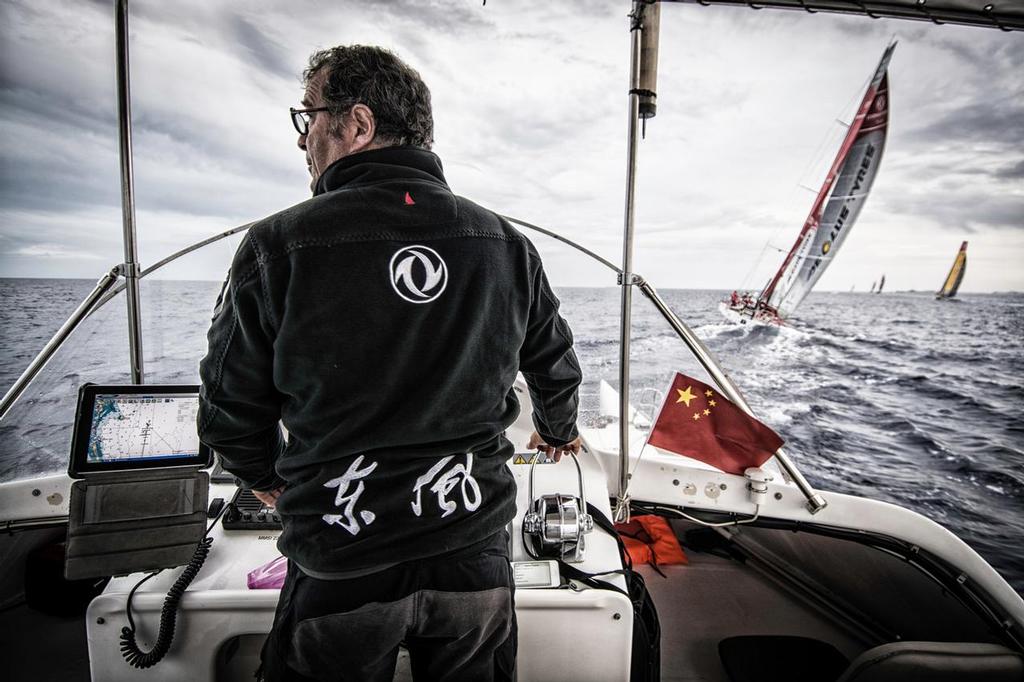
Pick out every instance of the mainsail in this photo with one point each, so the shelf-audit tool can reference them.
(956, 274)
(839, 201)
(880, 285)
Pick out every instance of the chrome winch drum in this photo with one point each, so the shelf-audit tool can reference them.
(558, 522)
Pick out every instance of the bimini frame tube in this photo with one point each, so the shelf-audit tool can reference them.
(643, 69)
(130, 269)
(626, 275)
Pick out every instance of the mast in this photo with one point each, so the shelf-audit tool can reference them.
(813, 220)
(130, 268)
(644, 28)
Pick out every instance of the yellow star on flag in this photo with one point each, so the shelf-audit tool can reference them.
(696, 416)
(712, 403)
(707, 412)
(685, 396)
(708, 393)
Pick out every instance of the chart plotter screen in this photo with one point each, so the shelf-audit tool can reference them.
(130, 427)
(137, 427)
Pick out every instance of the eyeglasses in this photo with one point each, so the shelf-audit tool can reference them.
(301, 118)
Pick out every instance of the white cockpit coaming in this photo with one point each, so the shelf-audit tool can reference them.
(828, 577)
(856, 575)
(772, 577)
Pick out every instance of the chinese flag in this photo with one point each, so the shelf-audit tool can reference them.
(696, 421)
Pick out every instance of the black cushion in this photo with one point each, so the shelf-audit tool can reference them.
(780, 658)
(937, 662)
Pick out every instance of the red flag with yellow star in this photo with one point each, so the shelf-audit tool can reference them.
(696, 421)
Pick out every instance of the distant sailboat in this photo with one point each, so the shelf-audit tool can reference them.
(880, 285)
(873, 285)
(832, 215)
(956, 274)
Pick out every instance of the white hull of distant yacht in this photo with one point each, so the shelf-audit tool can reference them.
(746, 315)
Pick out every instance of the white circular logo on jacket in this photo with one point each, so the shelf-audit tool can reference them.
(418, 273)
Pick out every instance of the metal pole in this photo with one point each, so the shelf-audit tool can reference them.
(131, 266)
(626, 276)
(56, 342)
(815, 502)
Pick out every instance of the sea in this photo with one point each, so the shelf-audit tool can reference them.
(895, 396)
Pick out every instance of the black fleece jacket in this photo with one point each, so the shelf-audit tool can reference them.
(382, 322)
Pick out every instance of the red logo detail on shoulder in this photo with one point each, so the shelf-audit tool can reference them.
(408, 200)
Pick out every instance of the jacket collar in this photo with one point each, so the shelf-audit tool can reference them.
(375, 165)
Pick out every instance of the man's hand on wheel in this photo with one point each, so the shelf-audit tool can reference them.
(268, 497)
(537, 443)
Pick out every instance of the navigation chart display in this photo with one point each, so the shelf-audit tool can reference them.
(142, 427)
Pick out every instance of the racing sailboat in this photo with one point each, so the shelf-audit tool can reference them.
(881, 284)
(956, 274)
(833, 213)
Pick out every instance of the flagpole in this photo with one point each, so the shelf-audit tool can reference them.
(815, 502)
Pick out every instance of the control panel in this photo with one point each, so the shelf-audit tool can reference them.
(246, 512)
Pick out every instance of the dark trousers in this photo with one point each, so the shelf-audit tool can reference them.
(454, 613)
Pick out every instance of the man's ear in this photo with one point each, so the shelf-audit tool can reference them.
(363, 127)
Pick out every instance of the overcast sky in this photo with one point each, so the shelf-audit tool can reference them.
(530, 112)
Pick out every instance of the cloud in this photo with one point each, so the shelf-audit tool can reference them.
(967, 208)
(995, 120)
(266, 52)
(1012, 172)
(46, 250)
(530, 111)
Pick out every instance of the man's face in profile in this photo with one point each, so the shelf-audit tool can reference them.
(321, 148)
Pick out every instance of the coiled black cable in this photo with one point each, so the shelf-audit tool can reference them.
(168, 614)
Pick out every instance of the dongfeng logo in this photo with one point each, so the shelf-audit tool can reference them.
(418, 274)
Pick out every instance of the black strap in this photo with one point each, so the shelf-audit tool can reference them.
(593, 579)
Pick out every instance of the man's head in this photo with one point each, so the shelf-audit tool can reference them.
(374, 100)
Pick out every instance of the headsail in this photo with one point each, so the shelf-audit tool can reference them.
(956, 274)
(839, 201)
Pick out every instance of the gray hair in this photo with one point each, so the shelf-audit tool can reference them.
(394, 92)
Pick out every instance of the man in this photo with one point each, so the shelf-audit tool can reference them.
(383, 322)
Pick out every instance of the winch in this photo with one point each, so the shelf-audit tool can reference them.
(558, 522)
